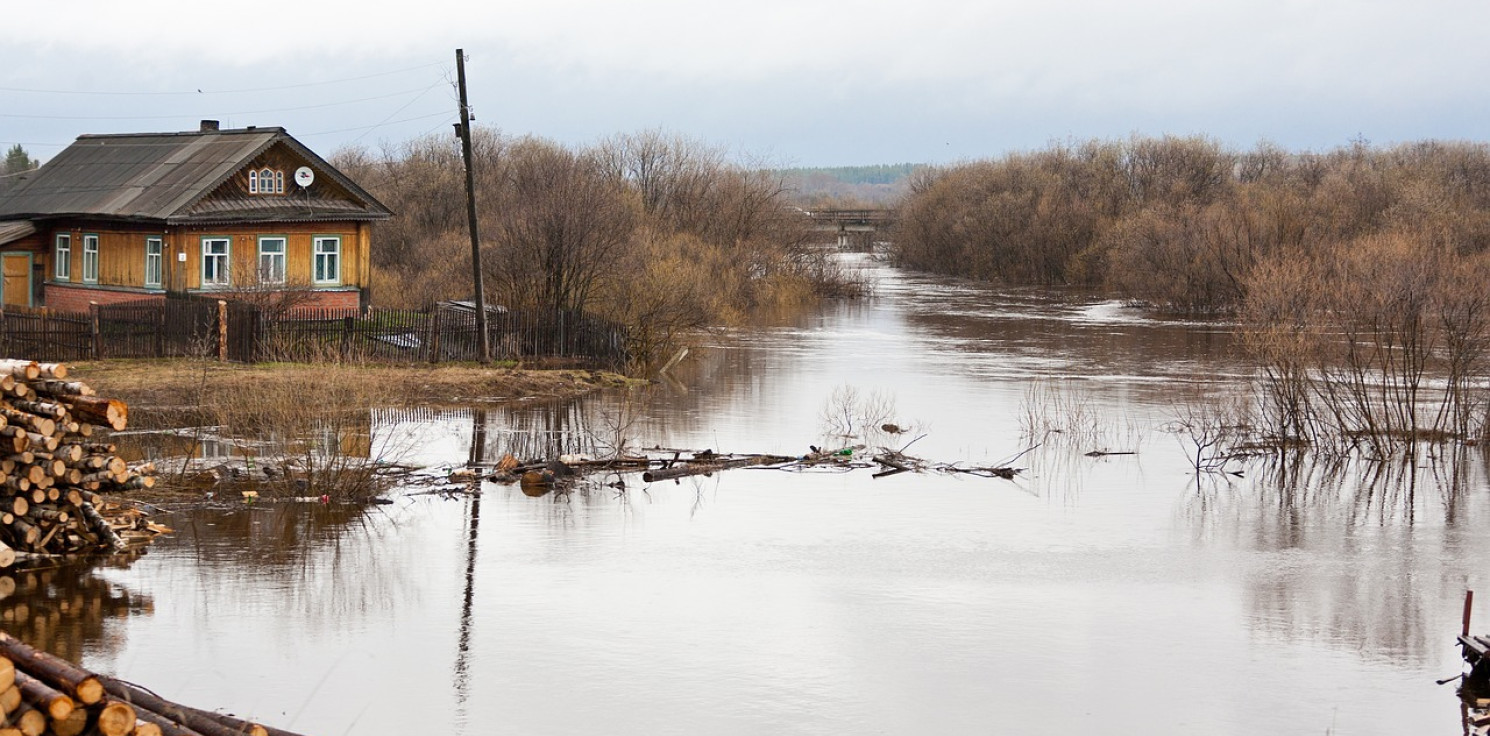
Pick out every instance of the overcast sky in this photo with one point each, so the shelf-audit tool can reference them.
(791, 82)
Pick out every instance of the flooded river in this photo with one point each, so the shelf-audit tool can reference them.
(1117, 594)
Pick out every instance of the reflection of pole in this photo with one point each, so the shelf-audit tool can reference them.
(477, 456)
(484, 340)
(463, 646)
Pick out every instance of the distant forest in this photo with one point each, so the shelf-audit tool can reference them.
(849, 186)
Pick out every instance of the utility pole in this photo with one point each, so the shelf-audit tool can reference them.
(464, 130)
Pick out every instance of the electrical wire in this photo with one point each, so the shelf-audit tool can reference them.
(400, 93)
(222, 91)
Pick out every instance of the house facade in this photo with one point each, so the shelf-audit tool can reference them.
(245, 213)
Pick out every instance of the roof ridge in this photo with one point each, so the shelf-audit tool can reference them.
(224, 131)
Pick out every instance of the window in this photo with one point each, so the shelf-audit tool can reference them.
(90, 259)
(215, 261)
(327, 265)
(154, 261)
(272, 260)
(62, 258)
(266, 181)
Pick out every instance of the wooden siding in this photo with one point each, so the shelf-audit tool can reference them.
(122, 252)
(280, 157)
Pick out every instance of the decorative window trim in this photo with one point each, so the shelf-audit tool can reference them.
(266, 181)
(62, 257)
(278, 259)
(90, 258)
(325, 266)
(155, 262)
(223, 261)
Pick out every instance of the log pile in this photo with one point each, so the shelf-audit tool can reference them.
(52, 468)
(45, 695)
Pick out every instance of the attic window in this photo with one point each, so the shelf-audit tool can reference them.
(266, 181)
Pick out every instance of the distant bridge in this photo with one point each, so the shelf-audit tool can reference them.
(856, 229)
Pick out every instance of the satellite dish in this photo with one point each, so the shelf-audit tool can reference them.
(304, 176)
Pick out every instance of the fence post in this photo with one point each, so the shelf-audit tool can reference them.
(346, 336)
(97, 334)
(433, 340)
(160, 332)
(222, 331)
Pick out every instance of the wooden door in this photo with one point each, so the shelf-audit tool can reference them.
(15, 290)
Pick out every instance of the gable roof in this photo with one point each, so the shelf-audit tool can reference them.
(163, 176)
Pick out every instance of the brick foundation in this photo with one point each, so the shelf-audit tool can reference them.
(65, 298)
(71, 298)
(351, 301)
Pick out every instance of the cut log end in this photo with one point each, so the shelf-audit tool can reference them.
(116, 718)
(90, 691)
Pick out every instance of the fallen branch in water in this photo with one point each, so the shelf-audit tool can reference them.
(658, 464)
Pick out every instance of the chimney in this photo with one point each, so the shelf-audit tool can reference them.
(209, 126)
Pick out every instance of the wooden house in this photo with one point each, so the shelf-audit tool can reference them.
(241, 212)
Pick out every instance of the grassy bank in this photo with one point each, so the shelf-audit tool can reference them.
(215, 430)
(171, 384)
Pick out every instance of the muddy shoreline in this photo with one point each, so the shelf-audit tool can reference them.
(161, 384)
(161, 393)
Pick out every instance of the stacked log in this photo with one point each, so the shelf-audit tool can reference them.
(52, 468)
(45, 695)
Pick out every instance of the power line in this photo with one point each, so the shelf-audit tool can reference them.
(401, 108)
(400, 93)
(379, 125)
(220, 91)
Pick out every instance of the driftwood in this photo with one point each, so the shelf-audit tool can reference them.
(711, 464)
(657, 464)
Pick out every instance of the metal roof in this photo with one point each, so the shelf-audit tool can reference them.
(161, 176)
(15, 230)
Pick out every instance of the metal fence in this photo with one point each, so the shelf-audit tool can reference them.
(239, 331)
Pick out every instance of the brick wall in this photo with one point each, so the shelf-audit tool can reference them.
(68, 298)
(64, 298)
(348, 300)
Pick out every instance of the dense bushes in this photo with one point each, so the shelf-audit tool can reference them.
(1183, 222)
(658, 232)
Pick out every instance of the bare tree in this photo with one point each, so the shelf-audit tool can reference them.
(561, 227)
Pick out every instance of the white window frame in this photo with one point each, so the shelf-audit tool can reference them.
(222, 262)
(266, 181)
(62, 257)
(326, 259)
(90, 258)
(155, 262)
(272, 271)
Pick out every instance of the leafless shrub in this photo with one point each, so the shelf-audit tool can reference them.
(849, 415)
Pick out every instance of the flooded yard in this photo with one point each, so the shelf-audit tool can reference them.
(1116, 594)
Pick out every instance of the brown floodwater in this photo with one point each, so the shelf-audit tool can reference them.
(1118, 594)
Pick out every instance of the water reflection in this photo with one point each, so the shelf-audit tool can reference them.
(1314, 596)
(70, 610)
(1363, 556)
